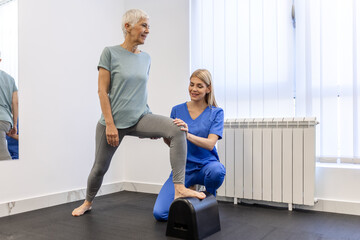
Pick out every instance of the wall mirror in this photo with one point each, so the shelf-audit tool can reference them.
(9, 139)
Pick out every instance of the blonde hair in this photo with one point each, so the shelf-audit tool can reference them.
(132, 17)
(205, 76)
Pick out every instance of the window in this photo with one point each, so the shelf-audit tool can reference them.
(264, 64)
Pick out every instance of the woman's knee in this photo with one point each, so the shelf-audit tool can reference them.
(99, 170)
(176, 132)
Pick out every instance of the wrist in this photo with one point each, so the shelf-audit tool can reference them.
(110, 124)
(188, 136)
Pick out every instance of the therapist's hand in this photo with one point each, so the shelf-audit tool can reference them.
(182, 124)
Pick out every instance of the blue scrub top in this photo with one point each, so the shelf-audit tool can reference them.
(13, 145)
(210, 121)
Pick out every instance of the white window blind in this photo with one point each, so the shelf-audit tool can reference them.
(327, 81)
(264, 67)
(249, 48)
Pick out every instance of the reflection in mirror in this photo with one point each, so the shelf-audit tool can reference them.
(9, 138)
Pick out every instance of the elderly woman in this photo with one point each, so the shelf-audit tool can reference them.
(123, 74)
(8, 111)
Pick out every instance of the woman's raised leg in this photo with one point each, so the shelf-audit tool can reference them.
(152, 125)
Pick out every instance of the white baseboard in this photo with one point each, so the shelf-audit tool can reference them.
(335, 206)
(25, 205)
(142, 187)
(321, 205)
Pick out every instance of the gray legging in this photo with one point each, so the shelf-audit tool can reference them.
(150, 125)
(4, 128)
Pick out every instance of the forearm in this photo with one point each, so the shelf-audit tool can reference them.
(206, 143)
(106, 108)
(15, 108)
(15, 115)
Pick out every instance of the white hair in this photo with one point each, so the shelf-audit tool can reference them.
(132, 17)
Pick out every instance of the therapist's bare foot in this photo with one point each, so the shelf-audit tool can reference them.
(86, 206)
(182, 191)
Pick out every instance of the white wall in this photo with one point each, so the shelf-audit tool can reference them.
(338, 182)
(59, 47)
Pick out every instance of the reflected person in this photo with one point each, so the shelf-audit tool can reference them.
(13, 143)
(8, 111)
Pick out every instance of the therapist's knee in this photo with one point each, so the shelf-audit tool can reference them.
(217, 172)
(160, 215)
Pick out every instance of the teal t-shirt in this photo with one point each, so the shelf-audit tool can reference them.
(7, 87)
(128, 86)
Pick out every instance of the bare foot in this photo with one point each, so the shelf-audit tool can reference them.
(86, 206)
(182, 191)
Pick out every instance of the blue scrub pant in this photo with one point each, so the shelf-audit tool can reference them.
(210, 175)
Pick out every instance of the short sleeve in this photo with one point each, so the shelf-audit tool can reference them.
(217, 125)
(105, 59)
(14, 88)
(173, 113)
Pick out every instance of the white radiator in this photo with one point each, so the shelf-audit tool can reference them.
(269, 160)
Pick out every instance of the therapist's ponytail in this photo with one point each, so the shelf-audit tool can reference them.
(205, 76)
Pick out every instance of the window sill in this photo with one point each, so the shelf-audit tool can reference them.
(338, 165)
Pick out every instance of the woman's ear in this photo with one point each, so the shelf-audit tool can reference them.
(127, 27)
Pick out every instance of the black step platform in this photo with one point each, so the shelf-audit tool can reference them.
(192, 218)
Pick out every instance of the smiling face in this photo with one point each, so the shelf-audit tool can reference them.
(198, 89)
(138, 32)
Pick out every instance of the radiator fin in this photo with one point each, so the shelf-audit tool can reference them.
(269, 159)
